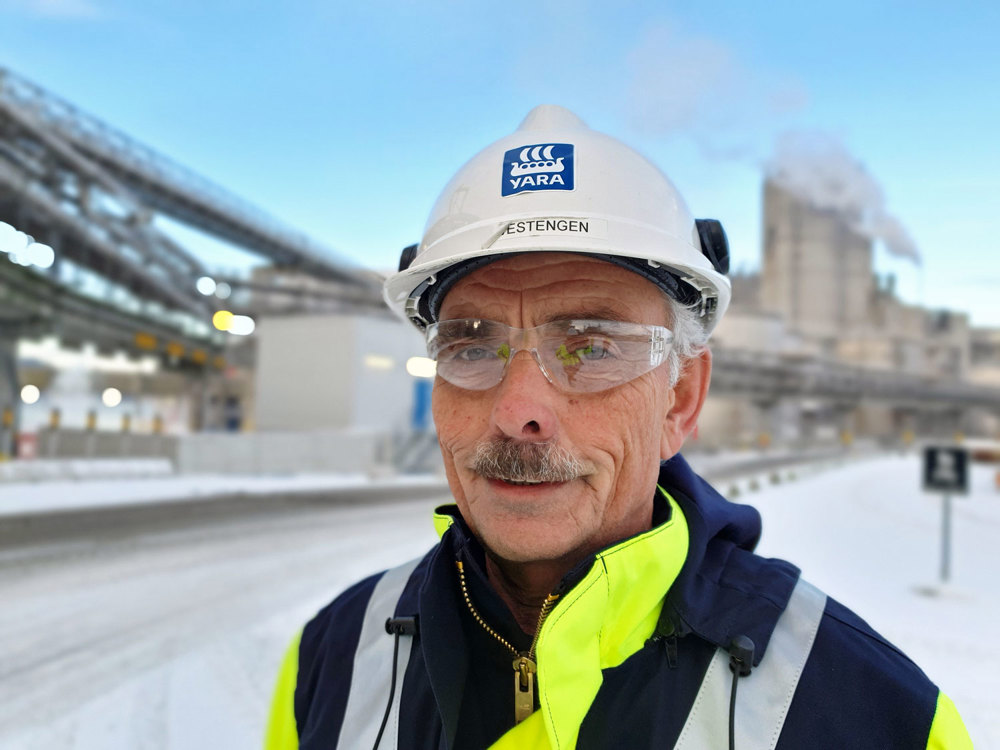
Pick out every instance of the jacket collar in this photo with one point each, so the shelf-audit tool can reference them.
(695, 571)
(723, 589)
(609, 609)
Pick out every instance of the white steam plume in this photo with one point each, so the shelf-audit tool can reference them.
(698, 86)
(819, 169)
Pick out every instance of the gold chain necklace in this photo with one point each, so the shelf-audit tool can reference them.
(525, 666)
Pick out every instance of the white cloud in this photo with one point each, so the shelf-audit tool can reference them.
(697, 86)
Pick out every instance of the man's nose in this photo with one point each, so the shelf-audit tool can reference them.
(525, 407)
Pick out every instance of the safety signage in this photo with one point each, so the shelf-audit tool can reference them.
(946, 470)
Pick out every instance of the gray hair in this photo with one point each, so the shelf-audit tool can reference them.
(690, 338)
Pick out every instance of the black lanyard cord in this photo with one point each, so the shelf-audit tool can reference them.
(740, 664)
(394, 626)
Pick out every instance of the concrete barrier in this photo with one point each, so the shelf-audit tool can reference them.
(43, 470)
(247, 453)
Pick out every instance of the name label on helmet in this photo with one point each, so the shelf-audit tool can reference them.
(557, 225)
(538, 166)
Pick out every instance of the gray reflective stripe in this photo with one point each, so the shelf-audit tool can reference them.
(763, 697)
(373, 668)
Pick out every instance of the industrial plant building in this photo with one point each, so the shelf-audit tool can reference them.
(817, 298)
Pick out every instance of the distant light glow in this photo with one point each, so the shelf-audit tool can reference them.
(45, 256)
(30, 394)
(421, 367)
(111, 397)
(242, 325)
(379, 362)
(23, 250)
(223, 290)
(222, 320)
(11, 240)
(205, 285)
(49, 352)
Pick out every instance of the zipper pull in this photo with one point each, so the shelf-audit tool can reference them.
(524, 687)
(670, 645)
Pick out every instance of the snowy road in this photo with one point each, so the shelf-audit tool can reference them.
(168, 638)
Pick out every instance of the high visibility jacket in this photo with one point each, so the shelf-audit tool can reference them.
(633, 655)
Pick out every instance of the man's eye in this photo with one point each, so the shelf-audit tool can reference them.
(593, 348)
(476, 353)
(594, 351)
(577, 352)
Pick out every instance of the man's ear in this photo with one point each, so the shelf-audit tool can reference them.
(689, 395)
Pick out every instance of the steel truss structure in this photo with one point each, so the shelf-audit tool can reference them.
(769, 377)
(92, 194)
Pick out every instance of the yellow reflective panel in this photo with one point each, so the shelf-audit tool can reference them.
(442, 521)
(948, 732)
(603, 620)
(282, 731)
(530, 734)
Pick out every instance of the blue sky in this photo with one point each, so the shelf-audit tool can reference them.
(345, 121)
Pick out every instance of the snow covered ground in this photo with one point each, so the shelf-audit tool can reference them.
(169, 639)
(871, 538)
(60, 495)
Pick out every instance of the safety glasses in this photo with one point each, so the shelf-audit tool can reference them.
(577, 356)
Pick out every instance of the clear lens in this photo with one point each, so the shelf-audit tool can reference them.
(576, 355)
(469, 353)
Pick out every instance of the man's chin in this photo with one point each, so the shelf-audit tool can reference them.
(532, 522)
(523, 540)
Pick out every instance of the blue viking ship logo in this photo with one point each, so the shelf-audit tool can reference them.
(543, 166)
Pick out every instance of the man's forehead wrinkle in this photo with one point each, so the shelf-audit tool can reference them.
(532, 308)
(592, 312)
(532, 289)
(507, 273)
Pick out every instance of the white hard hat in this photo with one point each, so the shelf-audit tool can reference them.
(555, 185)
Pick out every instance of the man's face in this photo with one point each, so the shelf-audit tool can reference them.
(618, 435)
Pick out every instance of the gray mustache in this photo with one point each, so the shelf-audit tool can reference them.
(516, 461)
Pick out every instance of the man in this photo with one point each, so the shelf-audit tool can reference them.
(589, 590)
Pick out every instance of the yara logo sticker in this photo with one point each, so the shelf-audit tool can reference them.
(541, 166)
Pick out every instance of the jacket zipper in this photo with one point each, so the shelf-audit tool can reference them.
(525, 663)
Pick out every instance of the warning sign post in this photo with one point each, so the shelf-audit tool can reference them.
(946, 470)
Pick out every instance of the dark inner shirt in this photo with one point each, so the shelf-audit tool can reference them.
(488, 702)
